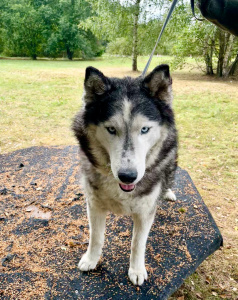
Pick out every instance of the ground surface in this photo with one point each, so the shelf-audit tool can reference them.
(44, 232)
(39, 99)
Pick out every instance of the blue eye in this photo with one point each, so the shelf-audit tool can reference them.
(111, 130)
(144, 130)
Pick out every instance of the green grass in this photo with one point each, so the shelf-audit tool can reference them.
(38, 100)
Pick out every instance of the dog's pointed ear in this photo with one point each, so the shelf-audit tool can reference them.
(95, 83)
(159, 84)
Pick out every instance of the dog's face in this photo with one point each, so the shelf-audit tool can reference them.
(128, 117)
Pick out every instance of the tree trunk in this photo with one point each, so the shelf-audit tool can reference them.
(70, 53)
(208, 49)
(208, 61)
(208, 58)
(135, 36)
(34, 56)
(233, 68)
(222, 52)
(227, 58)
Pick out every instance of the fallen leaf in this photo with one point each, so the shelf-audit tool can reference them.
(157, 258)
(224, 296)
(207, 281)
(72, 244)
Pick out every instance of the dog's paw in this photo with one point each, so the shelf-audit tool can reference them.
(86, 263)
(169, 195)
(137, 277)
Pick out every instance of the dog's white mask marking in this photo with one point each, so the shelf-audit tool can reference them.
(127, 138)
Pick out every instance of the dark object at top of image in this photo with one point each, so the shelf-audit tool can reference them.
(223, 13)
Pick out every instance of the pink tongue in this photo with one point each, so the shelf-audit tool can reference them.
(127, 187)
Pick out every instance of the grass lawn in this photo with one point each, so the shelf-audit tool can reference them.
(38, 100)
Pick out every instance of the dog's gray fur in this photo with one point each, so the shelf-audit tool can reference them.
(126, 129)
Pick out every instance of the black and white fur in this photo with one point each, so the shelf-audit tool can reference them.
(128, 148)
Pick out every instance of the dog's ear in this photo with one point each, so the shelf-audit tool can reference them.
(159, 84)
(95, 83)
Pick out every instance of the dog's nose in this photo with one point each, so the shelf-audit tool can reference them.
(127, 176)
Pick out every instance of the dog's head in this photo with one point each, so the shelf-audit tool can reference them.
(127, 118)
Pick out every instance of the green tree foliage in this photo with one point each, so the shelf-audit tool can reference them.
(213, 48)
(128, 26)
(22, 30)
(132, 29)
(46, 28)
(67, 36)
(72, 28)
(120, 46)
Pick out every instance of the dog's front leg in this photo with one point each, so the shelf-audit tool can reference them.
(97, 220)
(142, 224)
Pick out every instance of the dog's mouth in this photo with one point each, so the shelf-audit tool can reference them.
(127, 187)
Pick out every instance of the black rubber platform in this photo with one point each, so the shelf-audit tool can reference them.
(44, 232)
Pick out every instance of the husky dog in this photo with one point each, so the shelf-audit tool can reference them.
(128, 149)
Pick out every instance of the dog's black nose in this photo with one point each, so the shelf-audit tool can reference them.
(127, 176)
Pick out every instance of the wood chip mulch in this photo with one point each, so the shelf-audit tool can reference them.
(44, 231)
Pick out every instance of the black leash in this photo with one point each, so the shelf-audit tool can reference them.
(161, 32)
(193, 10)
